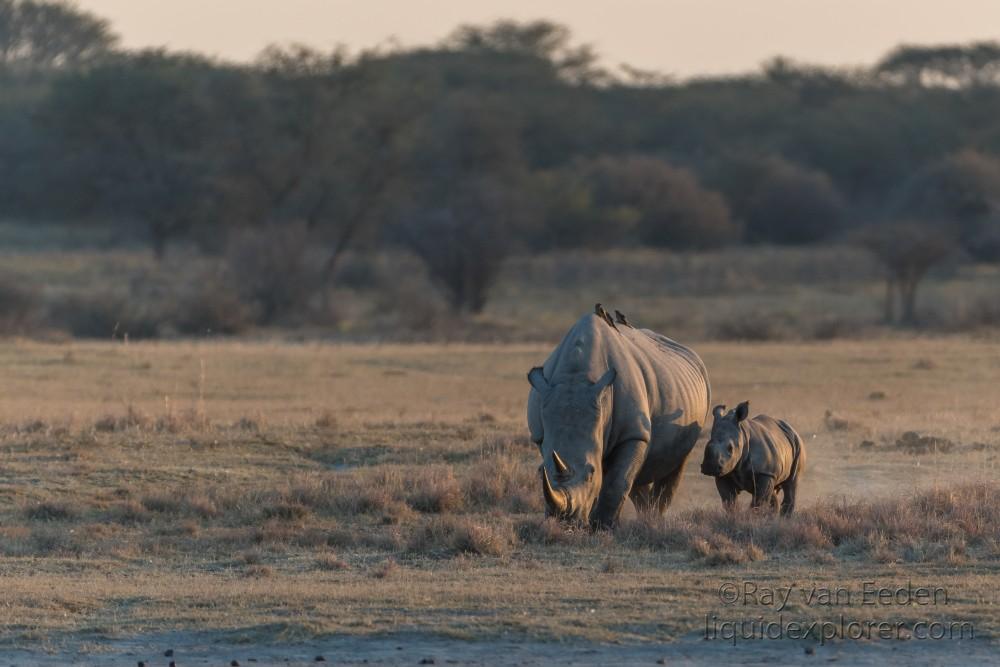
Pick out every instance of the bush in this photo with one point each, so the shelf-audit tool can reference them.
(106, 315)
(211, 304)
(793, 205)
(614, 200)
(273, 270)
(451, 535)
(18, 306)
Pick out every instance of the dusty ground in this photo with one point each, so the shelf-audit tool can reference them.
(281, 495)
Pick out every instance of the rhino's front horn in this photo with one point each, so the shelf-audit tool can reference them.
(554, 498)
(561, 466)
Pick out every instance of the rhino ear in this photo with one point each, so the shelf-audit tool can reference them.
(537, 379)
(718, 411)
(742, 410)
(605, 381)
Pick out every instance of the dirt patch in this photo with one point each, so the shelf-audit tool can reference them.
(914, 443)
(216, 649)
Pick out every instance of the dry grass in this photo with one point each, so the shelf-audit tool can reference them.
(319, 486)
(937, 525)
(738, 293)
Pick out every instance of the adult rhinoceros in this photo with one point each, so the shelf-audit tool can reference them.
(615, 411)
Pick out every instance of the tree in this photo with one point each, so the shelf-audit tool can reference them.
(464, 241)
(908, 251)
(316, 140)
(140, 124)
(471, 199)
(43, 35)
(953, 65)
(541, 40)
(962, 190)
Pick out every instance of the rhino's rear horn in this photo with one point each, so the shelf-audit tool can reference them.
(555, 499)
(560, 465)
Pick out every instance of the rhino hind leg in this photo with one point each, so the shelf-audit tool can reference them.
(665, 488)
(642, 497)
(773, 502)
(788, 497)
(763, 491)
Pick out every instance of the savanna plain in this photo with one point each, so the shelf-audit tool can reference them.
(280, 492)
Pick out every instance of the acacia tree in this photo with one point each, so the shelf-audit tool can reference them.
(543, 41)
(907, 251)
(964, 65)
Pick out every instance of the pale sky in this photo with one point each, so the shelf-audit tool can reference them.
(680, 37)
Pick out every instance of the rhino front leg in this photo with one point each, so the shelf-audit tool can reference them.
(619, 474)
(728, 492)
(763, 491)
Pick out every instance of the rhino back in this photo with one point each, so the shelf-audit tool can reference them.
(773, 445)
(661, 386)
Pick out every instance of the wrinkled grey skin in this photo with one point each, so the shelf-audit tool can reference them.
(615, 413)
(761, 456)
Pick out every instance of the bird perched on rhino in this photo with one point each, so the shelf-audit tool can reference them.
(603, 314)
(621, 319)
(615, 416)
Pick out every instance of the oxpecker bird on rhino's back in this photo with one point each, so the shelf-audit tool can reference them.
(615, 413)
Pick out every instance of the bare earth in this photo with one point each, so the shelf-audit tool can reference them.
(202, 649)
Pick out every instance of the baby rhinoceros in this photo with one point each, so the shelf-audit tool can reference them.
(761, 456)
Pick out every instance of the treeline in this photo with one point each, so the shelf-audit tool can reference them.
(500, 139)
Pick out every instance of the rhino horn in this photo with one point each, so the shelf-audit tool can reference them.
(554, 498)
(561, 466)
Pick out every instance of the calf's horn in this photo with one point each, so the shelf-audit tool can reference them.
(554, 498)
(561, 466)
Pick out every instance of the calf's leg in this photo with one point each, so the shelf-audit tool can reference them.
(788, 497)
(728, 492)
(763, 491)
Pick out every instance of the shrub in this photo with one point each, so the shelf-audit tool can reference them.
(611, 200)
(273, 270)
(451, 535)
(210, 304)
(793, 205)
(51, 511)
(437, 491)
(19, 306)
(106, 315)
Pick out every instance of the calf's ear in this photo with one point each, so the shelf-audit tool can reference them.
(718, 411)
(742, 410)
(537, 379)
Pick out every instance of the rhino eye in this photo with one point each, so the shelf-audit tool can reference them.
(730, 446)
